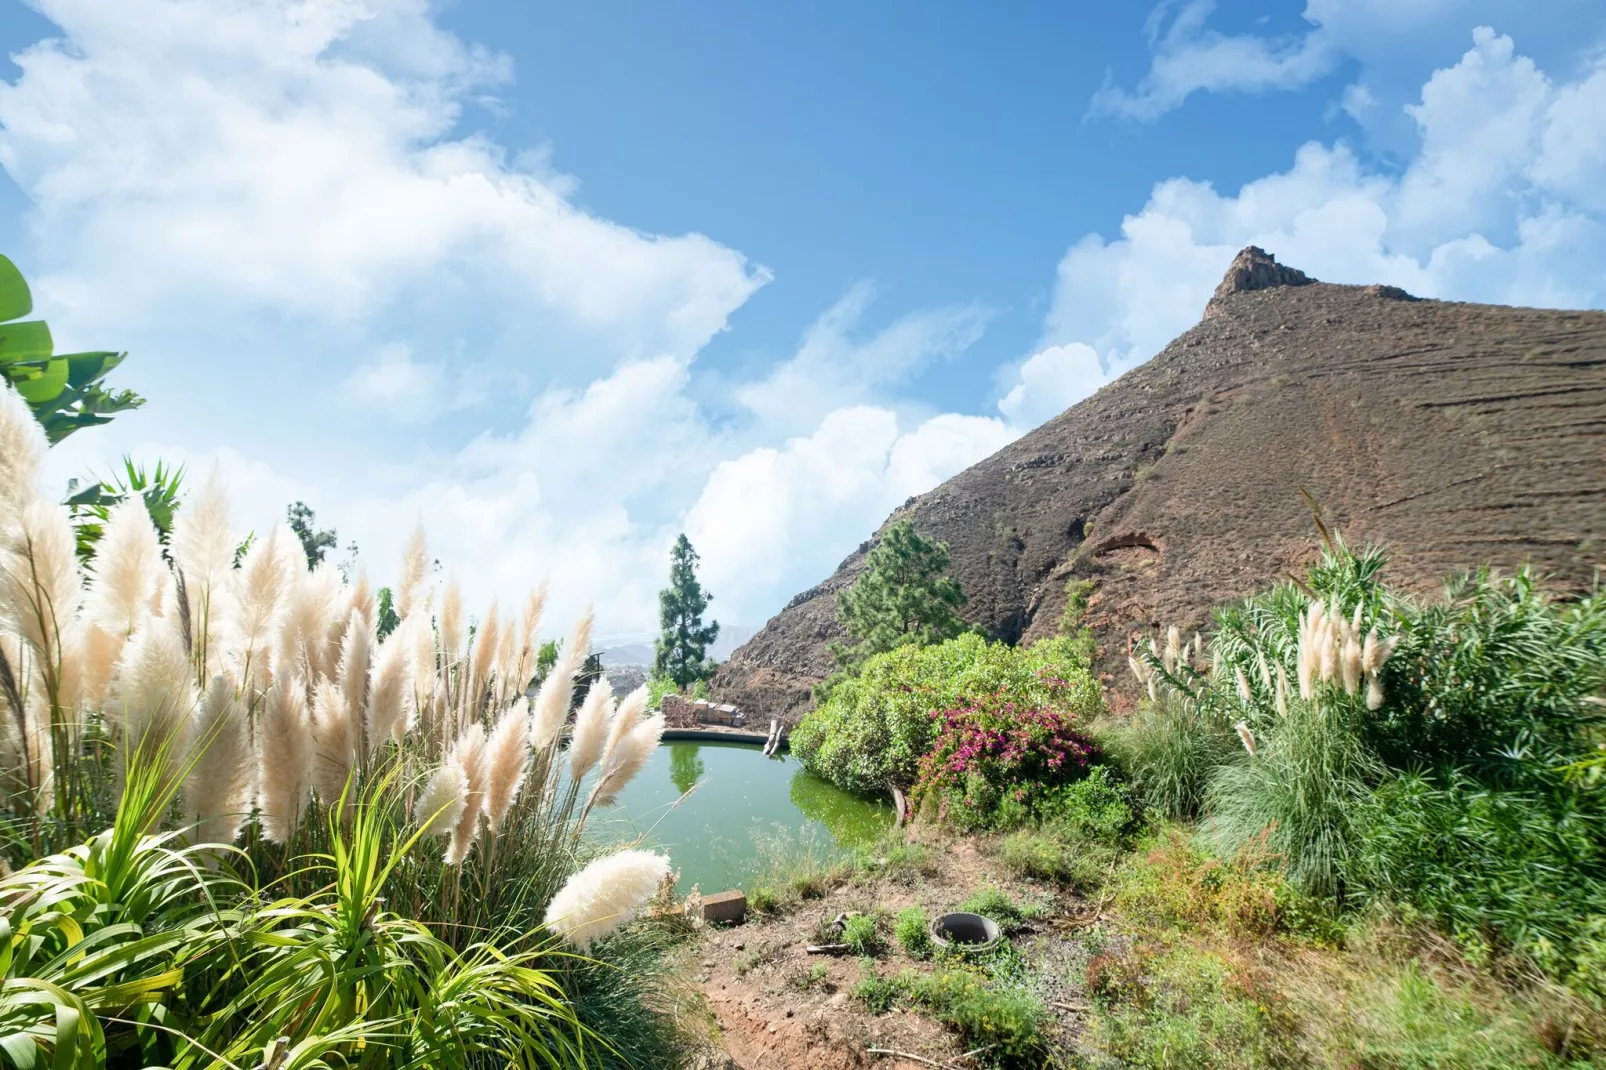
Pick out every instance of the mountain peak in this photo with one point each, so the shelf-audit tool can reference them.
(1256, 269)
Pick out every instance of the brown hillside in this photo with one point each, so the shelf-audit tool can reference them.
(1455, 434)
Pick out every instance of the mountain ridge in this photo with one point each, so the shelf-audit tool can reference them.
(1454, 433)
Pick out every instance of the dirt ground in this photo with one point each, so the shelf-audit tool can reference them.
(773, 1015)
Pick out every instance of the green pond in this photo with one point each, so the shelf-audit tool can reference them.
(725, 813)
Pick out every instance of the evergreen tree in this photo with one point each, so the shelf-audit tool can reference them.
(681, 653)
(901, 597)
(388, 618)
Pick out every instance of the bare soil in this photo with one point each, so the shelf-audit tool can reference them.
(771, 1015)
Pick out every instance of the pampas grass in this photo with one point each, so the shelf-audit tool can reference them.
(22, 451)
(217, 788)
(604, 895)
(508, 755)
(628, 757)
(591, 724)
(391, 689)
(441, 804)
(468, 752)
(128, 569)
(284, 758)
(40, 586)
(155, 693)
(410, 591)
(334, 741)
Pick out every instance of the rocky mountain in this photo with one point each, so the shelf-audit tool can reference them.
(1456, 434)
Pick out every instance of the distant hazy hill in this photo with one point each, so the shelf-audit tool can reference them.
(1456, 434)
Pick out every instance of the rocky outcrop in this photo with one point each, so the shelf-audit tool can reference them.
(1455, 434)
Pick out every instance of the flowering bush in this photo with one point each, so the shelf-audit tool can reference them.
(996, 763)
(875, 727)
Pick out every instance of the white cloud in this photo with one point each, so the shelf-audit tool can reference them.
(1189, 57)
(836, 366)
(299, 157)
(394, 383)
(1054, 379)
(1384, 37)
(1500, 205)
(775, 516)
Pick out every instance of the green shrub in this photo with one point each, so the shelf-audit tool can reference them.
(878, 994)
(874, 728)
(862, 935)
(1168, 751)
(913, 930)
(1047, 853)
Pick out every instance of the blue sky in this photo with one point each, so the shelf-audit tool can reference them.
(562, 281)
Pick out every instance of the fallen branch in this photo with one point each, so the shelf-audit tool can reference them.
(827, 949)
(1079, 1008)
(911, 1055)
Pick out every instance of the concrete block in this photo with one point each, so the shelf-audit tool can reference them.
(727, 907)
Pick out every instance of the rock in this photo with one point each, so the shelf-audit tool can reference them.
(728, 907)
(708, 964)
(1255, 269)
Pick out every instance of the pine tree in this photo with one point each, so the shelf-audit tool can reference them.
(681, 653)
(316, 543)
(901, 597)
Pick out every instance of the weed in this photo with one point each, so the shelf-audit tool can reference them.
(813, 977)
(913, 932)
(993, 902)
(763, 899)
(862, 935)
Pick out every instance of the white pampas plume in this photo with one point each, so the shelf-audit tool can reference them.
(552, 704)
(415, 567)
(22, 451)
(1173, 649)
(154, 695)
(1351, 664)
(284, 758)
(304, 628)
(530, 634)
(440, 806)
(99, 652)
(451, 622)
(356, 655)
(486, 639)
(1374, 692)
(334, 741)
(1282, 691)
(218, 788)
(506, 653)
(363, 598)
(1376, 652)
(628, 757)
(1140, 671)
(590, 726)
(128, 569)
(391, 689)
(1243, 688)
(1265, 670)
(605, 895)
(626, 716)
(40, 586)
(1246, 736)
(203, 552)
(580, 641)
(508, 755)
(469, 752)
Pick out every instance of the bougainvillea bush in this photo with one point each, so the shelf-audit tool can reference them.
(997, 763)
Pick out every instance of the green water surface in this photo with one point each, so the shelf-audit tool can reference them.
(726, 814)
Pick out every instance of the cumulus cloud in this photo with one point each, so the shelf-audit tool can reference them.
(1381, 37)
(300, 158)
(1052, 380)
(1500, 204)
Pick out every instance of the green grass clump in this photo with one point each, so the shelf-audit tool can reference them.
(763, 899)
(862, 935)
(994, 903)
(913, 931)
(1168, 752)
(1005, 1022)
(878, 994)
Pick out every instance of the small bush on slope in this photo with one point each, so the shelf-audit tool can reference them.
(874, 728)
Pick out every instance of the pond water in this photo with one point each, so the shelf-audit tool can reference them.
(745, 813)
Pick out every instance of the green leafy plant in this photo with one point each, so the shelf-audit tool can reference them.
(874, 728)
(680, 655)
(862, 935)
(65, 391)
(160, 488)
(913, 932)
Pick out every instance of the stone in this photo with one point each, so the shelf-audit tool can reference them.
(728, 907)
(1256, 269)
